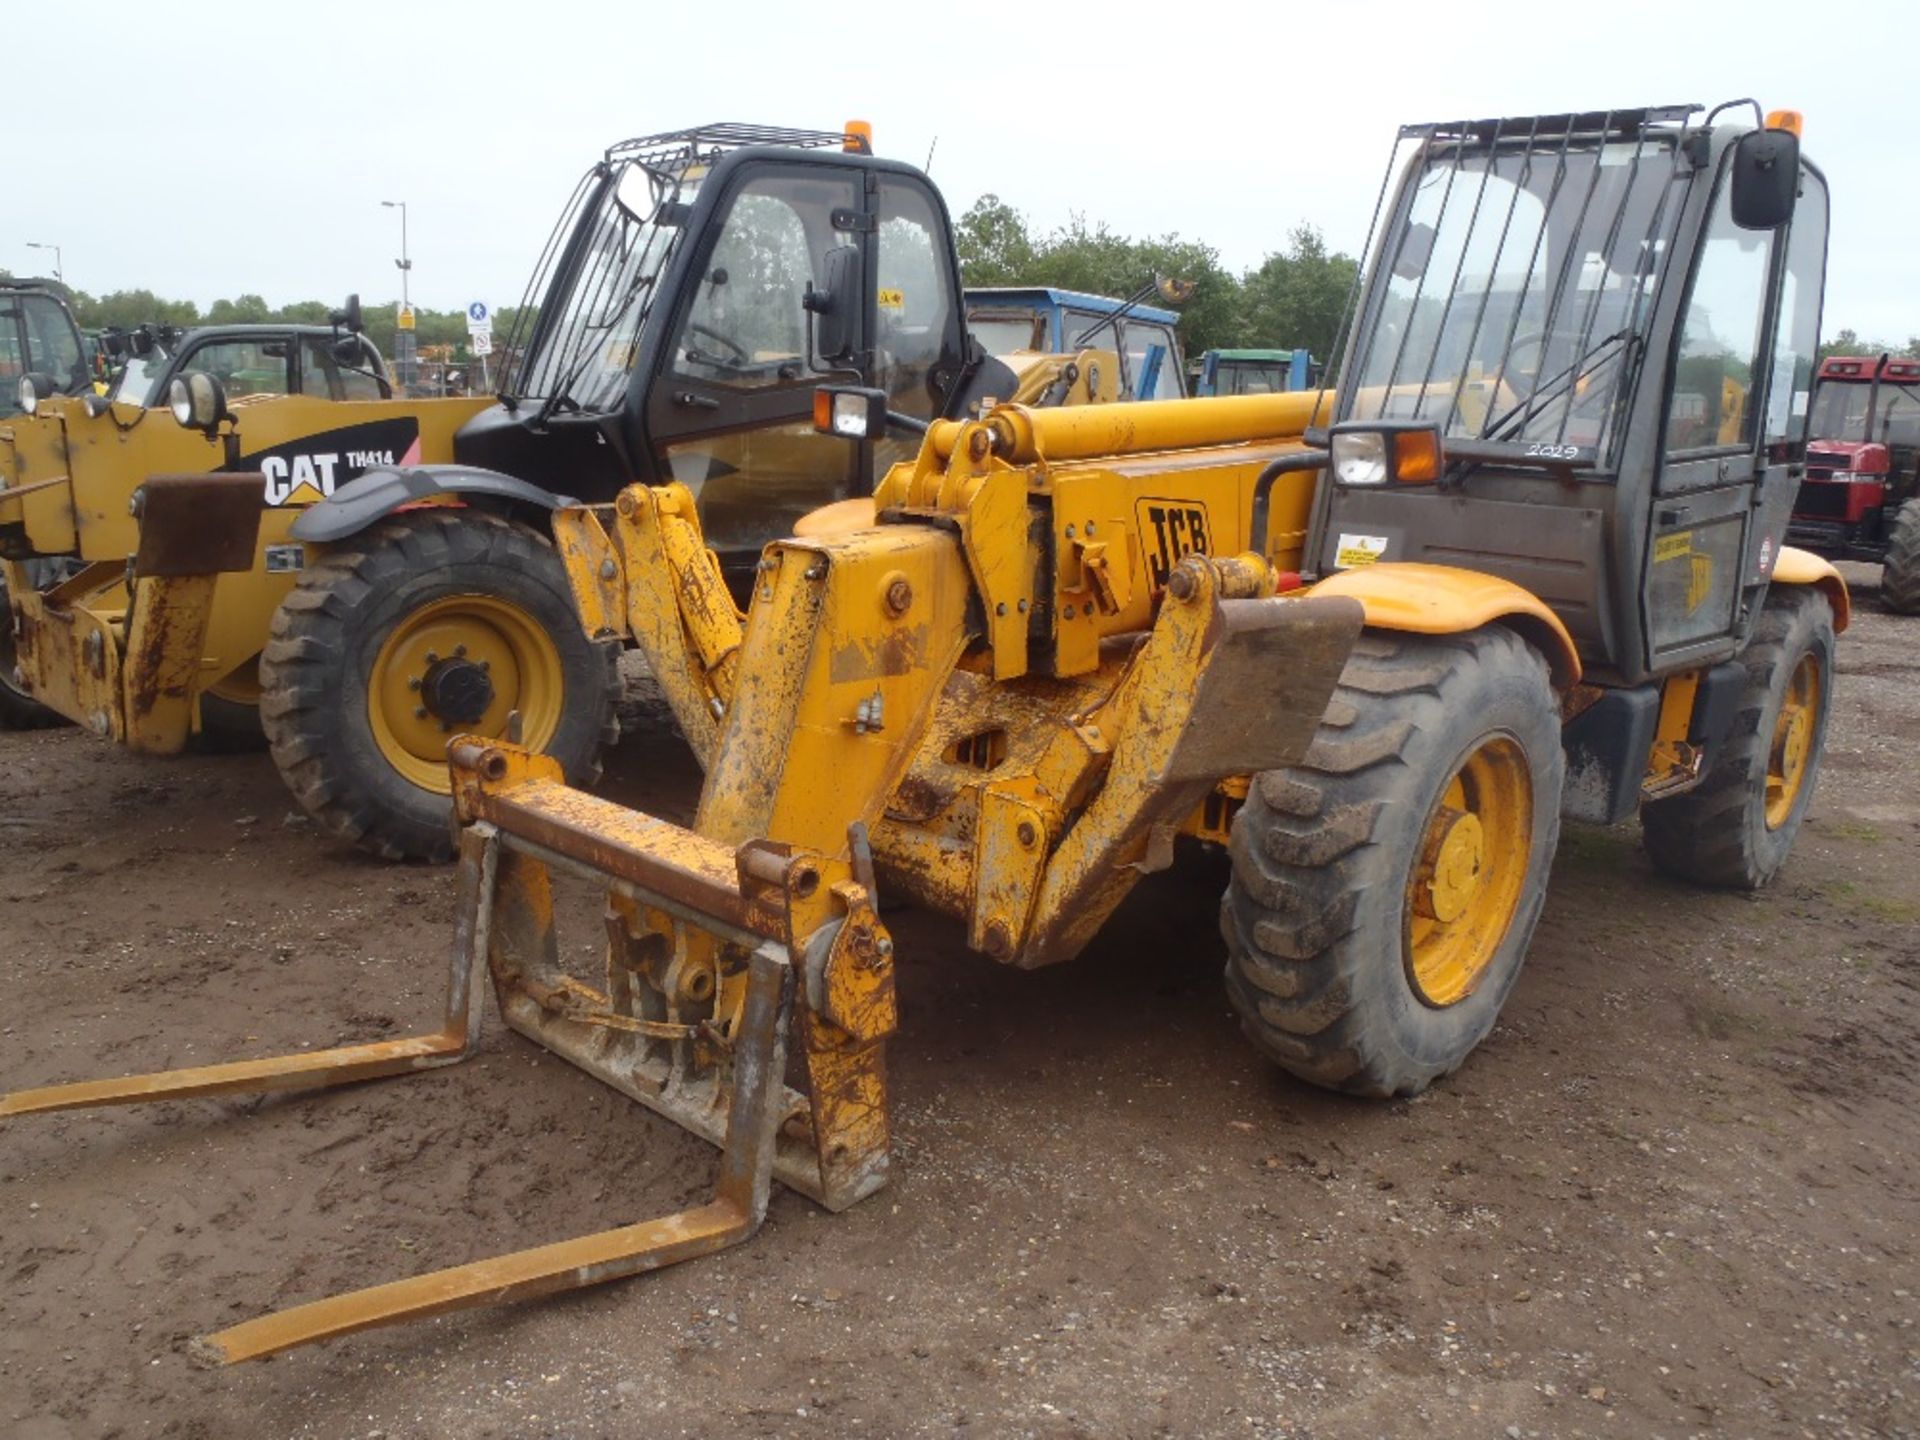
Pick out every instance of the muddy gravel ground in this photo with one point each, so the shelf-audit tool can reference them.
(1673, 1194)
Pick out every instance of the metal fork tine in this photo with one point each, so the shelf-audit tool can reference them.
(733, 1215)
(455, 1040)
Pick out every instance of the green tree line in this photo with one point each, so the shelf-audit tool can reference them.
(1848, 342)
(128, 308)
(1295, 297)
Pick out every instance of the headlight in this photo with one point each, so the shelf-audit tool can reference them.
(197, 401)
(29, 397)
(850, 411)
(850, 415)
(1360, 458)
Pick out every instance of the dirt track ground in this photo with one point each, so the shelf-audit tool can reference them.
(1674, 1194)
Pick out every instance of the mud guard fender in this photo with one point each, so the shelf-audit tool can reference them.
(381, 491)
(1445, 600)
(1795, 566)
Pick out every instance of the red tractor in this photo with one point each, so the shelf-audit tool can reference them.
(1860, 499)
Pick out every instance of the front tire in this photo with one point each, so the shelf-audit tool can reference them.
(1900, 570)
(1735, 828)
(1385, 890)
(438, 622)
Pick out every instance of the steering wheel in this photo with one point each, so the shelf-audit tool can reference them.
(694, 327)
(1536, 341)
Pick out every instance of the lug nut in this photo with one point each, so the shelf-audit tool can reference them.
(420, 712)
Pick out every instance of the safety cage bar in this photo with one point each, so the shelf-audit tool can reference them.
(1456, 145)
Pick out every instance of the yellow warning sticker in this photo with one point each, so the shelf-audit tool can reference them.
(1673, 547)
(893, 300)
(1354, 551)
(1699, 582)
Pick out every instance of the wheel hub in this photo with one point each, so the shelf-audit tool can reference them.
(456, 690)
(1793, 745)
(1456, 863)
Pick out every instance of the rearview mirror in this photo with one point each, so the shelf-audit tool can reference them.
(348, 316)
(835, 304)
(1766, 178)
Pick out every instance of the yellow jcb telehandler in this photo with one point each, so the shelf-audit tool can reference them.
(1375, 644)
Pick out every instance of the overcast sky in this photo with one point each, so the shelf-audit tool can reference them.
(219, 150)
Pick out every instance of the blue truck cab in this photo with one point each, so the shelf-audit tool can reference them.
(1041, 317)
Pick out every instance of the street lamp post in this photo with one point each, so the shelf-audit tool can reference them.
(403, 338)
(58, 273)
(405, 265)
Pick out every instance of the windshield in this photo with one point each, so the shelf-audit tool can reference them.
(140, 378)
(1250, 377)
(1004, 334)
(1515, 288)
(589, 339)
(1840, 410)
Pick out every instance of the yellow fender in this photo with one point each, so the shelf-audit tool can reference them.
(1802, 567)
(1445, 600)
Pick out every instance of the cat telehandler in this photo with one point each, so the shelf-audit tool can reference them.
(1376, 643)
(363, 579)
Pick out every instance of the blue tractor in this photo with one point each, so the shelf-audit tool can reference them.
(1041, 317)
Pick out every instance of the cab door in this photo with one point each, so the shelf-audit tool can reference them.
(1734, 440)
(730, 409)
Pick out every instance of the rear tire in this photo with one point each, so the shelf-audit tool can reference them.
(18, 709)
(475, 607)
(1735, 828)
(1900, 570)
(1384, 891)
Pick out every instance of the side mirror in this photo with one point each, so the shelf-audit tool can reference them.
(348, 316)
(836, 304)
(140, 342)
(1416, 249)
(1766, 178)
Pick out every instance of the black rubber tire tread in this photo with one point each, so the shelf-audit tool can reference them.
(18, 709)
(315, 672)
(1314, 910)
(1716, 833)
(1900, 570)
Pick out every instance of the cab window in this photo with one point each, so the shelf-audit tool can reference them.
(746, 327)
(916, 302)
(1714, 380)
(1796, 340)
(245, 367)
(52, 347)
(322, 375)
(1153, 360)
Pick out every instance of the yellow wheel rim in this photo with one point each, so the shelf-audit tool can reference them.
(461, 665)
(1470, 873)
(1792, 749)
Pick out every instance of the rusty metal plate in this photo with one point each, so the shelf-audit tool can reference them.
(1266, 685)
(199, 524)
(655, 856)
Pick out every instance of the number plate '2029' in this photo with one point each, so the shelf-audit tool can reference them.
(1170, 529)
